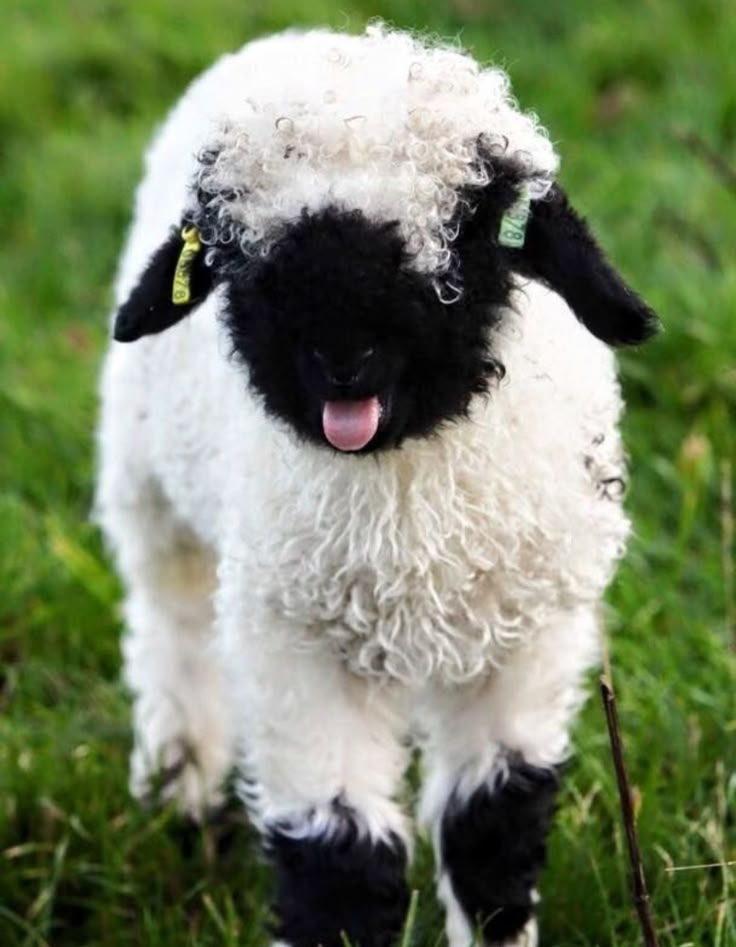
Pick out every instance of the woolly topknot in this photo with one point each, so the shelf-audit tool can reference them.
(390, 123)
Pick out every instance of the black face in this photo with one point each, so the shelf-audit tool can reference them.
(354, 349)
(334, 316)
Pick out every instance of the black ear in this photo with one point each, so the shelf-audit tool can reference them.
(151, 307)
(560, 250)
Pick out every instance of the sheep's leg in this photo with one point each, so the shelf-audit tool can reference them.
(323, 760)
(182, 746)
(492, 758)
(491, 845)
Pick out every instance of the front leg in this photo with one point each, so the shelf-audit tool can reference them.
(492, 846)
(323, 761)
(493, 755)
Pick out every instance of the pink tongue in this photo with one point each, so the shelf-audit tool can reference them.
(349, 425)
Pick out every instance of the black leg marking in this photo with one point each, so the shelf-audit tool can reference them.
(336, 885)
(494, 845)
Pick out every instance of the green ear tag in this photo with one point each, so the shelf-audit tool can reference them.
(181, 291)
(512, 229)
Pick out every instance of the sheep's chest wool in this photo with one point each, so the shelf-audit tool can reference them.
(361, 473)
(432, 563)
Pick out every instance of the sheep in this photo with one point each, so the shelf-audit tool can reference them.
(361, 472)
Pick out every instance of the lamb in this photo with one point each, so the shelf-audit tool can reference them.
(361, 472)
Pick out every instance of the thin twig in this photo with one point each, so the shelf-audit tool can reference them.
(639, 884)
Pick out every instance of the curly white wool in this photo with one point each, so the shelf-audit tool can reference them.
(358, 142)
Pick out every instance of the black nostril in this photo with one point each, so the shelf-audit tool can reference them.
(343, 372)
(343, 377)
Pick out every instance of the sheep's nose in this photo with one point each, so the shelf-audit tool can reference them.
(344, 371)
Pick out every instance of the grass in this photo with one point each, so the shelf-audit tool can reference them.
(625, 86)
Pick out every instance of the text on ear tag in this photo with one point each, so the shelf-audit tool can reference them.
(512, 229)
(181, 290)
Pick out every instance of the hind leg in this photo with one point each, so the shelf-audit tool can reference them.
(182, 749)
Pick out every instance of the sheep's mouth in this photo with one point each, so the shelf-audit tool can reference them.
(351, 425)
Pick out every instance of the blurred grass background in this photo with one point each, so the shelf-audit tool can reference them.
(641, 100)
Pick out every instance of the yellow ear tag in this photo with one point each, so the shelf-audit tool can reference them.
(181, 291)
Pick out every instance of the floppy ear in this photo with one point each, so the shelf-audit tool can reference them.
(560, 250)
(175, 280)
